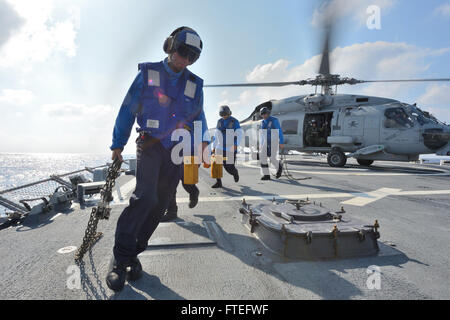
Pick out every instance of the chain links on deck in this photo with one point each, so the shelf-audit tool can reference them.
(102, 211)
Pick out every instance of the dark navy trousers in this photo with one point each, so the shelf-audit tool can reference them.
(230, 165)
(156, 179)
(190, 188)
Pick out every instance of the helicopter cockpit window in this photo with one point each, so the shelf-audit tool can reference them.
(422, 117)
(290, 126)
(397, 118)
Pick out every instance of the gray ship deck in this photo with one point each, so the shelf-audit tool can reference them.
(208, 254)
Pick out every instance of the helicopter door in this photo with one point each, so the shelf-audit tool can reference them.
(372, 130)
(317, 128)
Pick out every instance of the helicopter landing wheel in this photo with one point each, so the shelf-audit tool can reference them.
(363, 162)
(336, 158)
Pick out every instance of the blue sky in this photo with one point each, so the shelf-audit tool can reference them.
(66, 65)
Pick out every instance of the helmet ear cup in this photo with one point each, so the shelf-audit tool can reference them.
(168, 45)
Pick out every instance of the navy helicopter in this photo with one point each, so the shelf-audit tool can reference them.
(344, 125)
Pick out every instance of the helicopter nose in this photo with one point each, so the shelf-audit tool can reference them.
(436, 138)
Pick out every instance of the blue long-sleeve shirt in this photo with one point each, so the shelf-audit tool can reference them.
(130, 106)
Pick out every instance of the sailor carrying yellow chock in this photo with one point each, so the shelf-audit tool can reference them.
(227, 127)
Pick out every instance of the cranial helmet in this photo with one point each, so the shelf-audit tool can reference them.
(225, 111)
(264, 110)
(186, 42)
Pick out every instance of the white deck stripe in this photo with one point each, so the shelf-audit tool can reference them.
(123, 191)
(366, 198)
(372, 196)
(362, 172)
(358, 198)
(56, 216)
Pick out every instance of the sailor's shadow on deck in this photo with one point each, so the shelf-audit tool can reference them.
(247, 191)
(37, 221)
(150, 285)
(319, 277)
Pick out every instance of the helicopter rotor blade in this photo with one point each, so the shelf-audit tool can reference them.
(330, 15)
(263, 84)
(405, 80)
(325, 62)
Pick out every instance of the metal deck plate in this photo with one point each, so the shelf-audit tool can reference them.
(182, 233)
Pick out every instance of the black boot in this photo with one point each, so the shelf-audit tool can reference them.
(116, 278)
(135, 270)
(266, 177)
(280, 171)
(218, 184)
(193, 198)
(169, 216)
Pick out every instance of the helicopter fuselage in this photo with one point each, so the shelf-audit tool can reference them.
(367, 128)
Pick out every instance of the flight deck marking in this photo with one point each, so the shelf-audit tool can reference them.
(363, 172)
(56, 216)
(66, 250)
(358, 198)
(365, 198)
(124, 190)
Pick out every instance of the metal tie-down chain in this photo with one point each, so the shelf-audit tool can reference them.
(102, 211)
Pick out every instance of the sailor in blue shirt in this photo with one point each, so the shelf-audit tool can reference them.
(221, 146)
(268, 124)
(165, 96)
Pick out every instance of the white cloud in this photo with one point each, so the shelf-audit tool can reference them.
(342, 9)
(16, 97)
(436, 99)
(274, 70)
(41, 36)
(69, 110)
(365, 61)
(443, 10)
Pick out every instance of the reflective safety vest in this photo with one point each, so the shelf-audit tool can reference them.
(165, 107)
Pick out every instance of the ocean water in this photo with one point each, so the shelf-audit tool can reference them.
(21, 168)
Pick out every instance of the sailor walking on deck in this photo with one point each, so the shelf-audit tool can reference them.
(270, 126)
(164, 96)
(227, 125)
